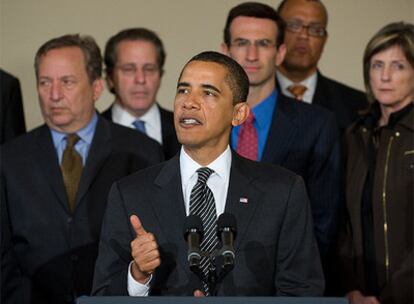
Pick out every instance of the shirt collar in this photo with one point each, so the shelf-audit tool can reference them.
(310, 84)
(85, 134)
(261, 110)
(221, 165)
(150, 118)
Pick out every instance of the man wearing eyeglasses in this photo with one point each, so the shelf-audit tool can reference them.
(134, 60)
(280, 130)
(305, 38)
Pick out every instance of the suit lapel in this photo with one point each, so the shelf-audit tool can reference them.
(100, 149)
(107, 113)
(320, 97)
(282, 132)
(242, 198)
(47, 161)
(168, 204)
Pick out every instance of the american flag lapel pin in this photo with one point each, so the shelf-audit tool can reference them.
(244, 200)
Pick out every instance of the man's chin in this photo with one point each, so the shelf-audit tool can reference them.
(297, 65)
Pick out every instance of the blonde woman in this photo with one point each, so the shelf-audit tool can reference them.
(378, 248)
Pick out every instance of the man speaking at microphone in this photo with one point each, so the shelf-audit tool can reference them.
(142, 250)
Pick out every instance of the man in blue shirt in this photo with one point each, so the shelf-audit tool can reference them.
(286, 132)
(55, 179)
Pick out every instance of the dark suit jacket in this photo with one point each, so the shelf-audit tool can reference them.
(11, 107)
(305, 140)
(345, 102)
(57, 250)
(9, 271)
(170, 144)
(276, 253)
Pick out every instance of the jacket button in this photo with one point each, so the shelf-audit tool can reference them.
(74, 257)
(397, 134)
(364, 130)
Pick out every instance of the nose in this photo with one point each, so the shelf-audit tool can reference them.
(191, 102)
(139, 76)
(252, 52)
(304, 31)
(386, 73)
(56, 92)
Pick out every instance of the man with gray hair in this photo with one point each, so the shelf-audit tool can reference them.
(56, 178)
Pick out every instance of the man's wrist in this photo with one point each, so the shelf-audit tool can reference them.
(138, 275)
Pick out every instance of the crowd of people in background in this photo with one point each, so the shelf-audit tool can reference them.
(94, 203)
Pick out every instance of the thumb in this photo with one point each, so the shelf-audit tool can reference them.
(198, 293)
(136, 225)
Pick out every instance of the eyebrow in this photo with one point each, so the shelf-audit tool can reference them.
(205, 86)
(183, 84)
(211, 87)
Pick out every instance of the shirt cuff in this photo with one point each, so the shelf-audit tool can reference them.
(136, 289)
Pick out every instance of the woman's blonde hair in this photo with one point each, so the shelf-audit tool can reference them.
(399, 34)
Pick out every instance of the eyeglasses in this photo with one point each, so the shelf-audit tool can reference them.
(131, 69)
(261, 44)
(315, 30)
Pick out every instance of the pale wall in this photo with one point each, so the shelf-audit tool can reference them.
(186, 27)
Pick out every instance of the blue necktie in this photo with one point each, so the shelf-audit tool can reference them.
(140, 126)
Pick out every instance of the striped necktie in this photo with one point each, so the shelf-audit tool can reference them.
(202, 204)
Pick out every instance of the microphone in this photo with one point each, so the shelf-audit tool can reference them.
(227, 231)
(193, 234)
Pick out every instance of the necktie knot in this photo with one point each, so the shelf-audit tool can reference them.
(140, 125)
(297, 90)
(204, 174)
(250, 118)
(71, 140)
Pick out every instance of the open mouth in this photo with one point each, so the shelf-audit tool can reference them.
(189, 121)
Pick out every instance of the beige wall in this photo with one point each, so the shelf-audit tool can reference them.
(185, 26)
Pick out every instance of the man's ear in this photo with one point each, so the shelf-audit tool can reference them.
(281, 53)
(109, 82)
(240, 113)
(224, 49)
(98, 87)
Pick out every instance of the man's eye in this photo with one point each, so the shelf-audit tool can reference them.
(210, 93)
(44, 83)
(68, 81)
(294, 25)
(263, 43)
(150, 70)
(182, 91)
(316, 30)
(242, 43)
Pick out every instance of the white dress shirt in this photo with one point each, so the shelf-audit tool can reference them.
(218, 183)
(152, 120)
(309, 83)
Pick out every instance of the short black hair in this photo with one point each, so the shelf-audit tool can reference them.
(236, 77)
(256, 10)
